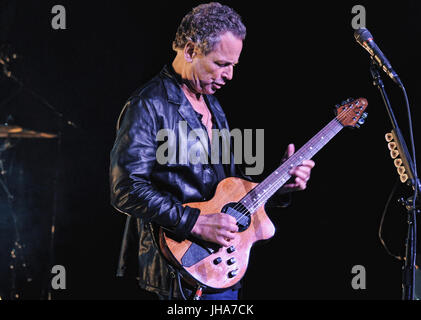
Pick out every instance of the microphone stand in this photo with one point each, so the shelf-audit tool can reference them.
(408, 276)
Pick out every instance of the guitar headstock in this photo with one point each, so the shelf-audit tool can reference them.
(350, 113)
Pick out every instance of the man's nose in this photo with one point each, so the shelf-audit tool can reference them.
(228, 73)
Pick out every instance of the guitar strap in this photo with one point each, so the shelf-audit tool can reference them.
(175, 276)
(172, 273)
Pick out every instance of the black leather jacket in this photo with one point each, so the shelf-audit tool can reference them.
(152, 194)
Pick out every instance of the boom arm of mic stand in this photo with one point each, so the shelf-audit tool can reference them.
(408, 277)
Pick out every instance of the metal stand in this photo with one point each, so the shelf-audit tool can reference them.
(48, 296)
(408, 278)
(62, 121)
(17, 255)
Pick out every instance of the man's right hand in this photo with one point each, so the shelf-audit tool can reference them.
(219, 228)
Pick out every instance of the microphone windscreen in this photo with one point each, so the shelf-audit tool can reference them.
(362, 35)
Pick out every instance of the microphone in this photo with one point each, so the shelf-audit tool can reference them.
(365, 39)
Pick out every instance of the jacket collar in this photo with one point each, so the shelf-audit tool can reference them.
(172, 82)
(175, 94)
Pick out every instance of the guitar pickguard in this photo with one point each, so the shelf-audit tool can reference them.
(197, 252)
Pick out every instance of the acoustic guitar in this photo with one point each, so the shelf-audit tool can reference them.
(215, 267)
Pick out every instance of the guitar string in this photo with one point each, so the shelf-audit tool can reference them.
(329, 129)
(283, 178)
(242, 214)
(278, 183)
(273, 184)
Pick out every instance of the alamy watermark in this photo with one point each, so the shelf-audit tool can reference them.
(358, 282)
(59, 20)
(180, 147)
(359, 20)
(59, 280)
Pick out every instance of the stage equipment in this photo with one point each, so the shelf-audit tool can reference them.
(406, 165)
(10, 133)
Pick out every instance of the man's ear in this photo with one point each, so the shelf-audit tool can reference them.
(190, 51)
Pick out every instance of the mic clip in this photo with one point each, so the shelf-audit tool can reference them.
(374, 69)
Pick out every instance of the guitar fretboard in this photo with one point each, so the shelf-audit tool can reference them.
(264, 190)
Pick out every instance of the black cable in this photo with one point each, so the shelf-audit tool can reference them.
(414, 199)
(180, 286)
(382, 221)
(411, 136)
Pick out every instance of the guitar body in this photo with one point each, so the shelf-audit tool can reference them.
(218, 267)
(206, 271)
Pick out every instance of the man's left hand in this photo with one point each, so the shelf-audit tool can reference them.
(299, 175)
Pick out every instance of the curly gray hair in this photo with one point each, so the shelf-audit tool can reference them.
(204, 25)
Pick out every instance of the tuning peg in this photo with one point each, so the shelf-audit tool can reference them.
(362, 119)
(348, 100)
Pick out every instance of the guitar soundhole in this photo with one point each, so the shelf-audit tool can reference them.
(240, 213)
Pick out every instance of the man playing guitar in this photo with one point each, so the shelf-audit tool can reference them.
(208, 44)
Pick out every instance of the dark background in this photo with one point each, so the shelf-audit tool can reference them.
(299, 60)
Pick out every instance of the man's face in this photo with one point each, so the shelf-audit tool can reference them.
(210, 72)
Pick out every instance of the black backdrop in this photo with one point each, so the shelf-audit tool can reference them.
(298, 61)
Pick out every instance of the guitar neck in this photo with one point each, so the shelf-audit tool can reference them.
(264, 190)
